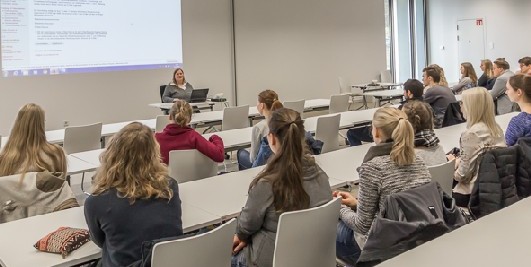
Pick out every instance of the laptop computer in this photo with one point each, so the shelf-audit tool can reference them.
(199, 95)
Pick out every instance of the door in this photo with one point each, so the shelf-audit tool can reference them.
(471, 41)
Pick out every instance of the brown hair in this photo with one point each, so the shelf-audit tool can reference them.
(181, 113)
(132, 165)
(173, 77)
(394, 124)
(525, 60)
(440, 70)
(270, 99)
(522, 82)
(501, 63)
(470, 72)
(488, 68)
(433, 73)
(284, 169)
(419, 114)
(27, 148)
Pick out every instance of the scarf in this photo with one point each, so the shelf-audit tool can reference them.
(426, 138)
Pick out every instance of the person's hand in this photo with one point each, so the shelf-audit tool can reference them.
(237, 245)
(346, 198)
(175, 100)
(450, 157)
(457, 161)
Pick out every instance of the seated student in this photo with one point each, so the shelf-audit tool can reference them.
(177, 135)
(438, 96)
(442, 81)
(413, 90)
(27, 150)
(525, 65)
(468, 79)
(389, 167)
(502, 73)
(290, 181)
(488, 74)
(427, 145)
(178, 88)
(133, 198)
(482, 133)
(519, 91)
(267, 103)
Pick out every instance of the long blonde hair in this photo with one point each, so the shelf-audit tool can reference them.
(181, 113)
(393, 123)
(487, 64)
(27, 148)
(478, 106)
(131, 164)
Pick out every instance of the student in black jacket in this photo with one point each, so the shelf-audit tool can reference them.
(133, 199)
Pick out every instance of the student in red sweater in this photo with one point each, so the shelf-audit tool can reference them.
(179, 136)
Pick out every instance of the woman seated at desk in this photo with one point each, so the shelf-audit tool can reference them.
(179, 88)
(133, 199)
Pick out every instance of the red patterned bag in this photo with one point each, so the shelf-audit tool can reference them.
(63, 240)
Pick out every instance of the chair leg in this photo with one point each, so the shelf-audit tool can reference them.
(67, 178)
(82, 186)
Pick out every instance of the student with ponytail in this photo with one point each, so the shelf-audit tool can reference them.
(290, 181)
(179, 136)
(390, 166)
(267, 103)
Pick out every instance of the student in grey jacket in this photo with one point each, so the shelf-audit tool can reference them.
(290, 181)
(179, 88)
(390, 166)
(468, 79)
(502, 73)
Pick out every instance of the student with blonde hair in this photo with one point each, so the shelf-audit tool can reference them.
(482, 133)
(468, 78)
(178, 135)
(133, 198)
(290, 181)
(390, 166)
(267, 103)
(519, 91)
(487, 77)
(27, 150)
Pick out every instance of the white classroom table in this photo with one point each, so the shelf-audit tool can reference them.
(342, 164)
(75, 165)
(18, 237)
(499, 239)
(384, 94)
(234, 139)
(206, 104)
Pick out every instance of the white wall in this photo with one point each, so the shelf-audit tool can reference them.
(300, 47)
(506, 26)
(120, 96)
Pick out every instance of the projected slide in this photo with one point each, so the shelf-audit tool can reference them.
(48, 37)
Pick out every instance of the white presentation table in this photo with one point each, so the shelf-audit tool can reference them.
(499, 239)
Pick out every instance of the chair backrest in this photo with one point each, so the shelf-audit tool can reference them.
(444, 175)
(203, 250)
(82, 138)
(295, 105)
(344, 88)
(235, 118)
(161, 122)
(385, 76)
(307, 237)
(190, 165)
(338, 103)
(327, 131)
(162, 88)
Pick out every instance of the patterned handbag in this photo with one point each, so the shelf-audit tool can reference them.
(63, 240)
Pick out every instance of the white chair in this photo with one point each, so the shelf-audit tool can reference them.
(338, 103)
(203, 250)
(190, 165)
(80, 139)
(295, 105)
(385, 76)
(235, 118)
(307, 237)
(355, 92)
(344, 88)
(326, 131)
(444, 175)
(161, 122)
